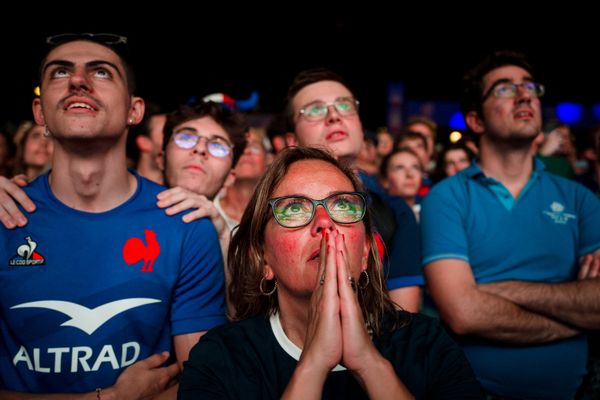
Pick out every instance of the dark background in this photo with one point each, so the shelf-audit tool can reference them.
(179, 53)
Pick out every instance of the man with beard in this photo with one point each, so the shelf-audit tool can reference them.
(511, 252)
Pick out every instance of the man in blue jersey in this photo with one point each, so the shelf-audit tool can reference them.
(511, 252)
(322, 111)
(100, 284)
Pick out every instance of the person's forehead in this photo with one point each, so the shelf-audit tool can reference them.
(205, 126)
(82, 51)
(506, 72)
(330, 178)
(412, 141)
(321, 91)
(404, 156)
(421, 128)
(455, 153)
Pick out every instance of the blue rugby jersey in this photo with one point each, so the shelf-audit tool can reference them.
(84, 295)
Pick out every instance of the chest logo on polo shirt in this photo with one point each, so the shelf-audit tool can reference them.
(135, 251)
(88, 319)
(557, 213)
(27, 254)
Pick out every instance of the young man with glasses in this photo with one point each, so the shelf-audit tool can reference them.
(511, 252)
(323, 112)
(121, 284)
(201, 145)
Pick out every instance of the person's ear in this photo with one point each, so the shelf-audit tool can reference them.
(38, 115)
(365, 258)
(268, 271)
(144, 144)
(136, 113)
(291, 140)
(474, 122)
(160, 160)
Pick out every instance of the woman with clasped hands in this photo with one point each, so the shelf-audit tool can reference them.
(314, 318)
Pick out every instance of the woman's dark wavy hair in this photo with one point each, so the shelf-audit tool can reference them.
(233, 122)
(472, 94)
(246, 261)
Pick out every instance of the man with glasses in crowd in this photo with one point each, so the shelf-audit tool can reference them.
(323, 112)
(122, 284)
(201, 146)
(511, 252)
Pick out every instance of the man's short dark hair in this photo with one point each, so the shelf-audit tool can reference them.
(472, 95)
(116, 43)
(410, 135)
(233, 122)
(303, 79)
(428, 122)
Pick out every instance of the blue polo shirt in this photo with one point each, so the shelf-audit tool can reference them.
(537, 237)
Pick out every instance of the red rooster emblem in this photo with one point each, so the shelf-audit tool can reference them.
(135, 250)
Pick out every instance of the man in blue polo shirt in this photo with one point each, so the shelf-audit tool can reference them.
(511, 252)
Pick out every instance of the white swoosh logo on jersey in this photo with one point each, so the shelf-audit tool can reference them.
(86, 319)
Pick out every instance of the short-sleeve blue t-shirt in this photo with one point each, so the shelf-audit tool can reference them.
(84, 295)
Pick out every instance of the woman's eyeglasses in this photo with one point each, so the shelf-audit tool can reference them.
(216, 146)
(318, 110)
(297, 211)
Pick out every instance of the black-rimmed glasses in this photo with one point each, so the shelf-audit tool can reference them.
(298, 211)
(507, 89)
(110, 39)
(216, 146)
(318, 110)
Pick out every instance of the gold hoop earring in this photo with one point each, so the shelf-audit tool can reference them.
(264, 292)
(366, 275)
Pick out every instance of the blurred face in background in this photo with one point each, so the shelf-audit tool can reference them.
(426, 131)
(253, 162)
(455, 160)
(418, 146)
(404, 175)
(385, 143)
(38, 149)
(566, 148)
